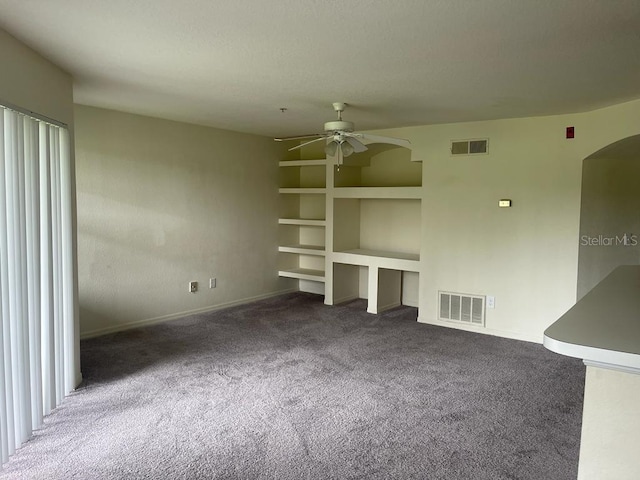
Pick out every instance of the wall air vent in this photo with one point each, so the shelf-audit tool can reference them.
(477, 146)
(463, 308)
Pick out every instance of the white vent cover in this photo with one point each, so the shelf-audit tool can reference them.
(460, 307)
(477, 146)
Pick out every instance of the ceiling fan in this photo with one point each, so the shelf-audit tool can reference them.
(341, 140)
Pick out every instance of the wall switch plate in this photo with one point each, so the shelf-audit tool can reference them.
(491, 302)
(212, 283)
(193, 287)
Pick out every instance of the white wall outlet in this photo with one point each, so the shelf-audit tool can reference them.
(491, 302)
(193, 287)
(212, 283)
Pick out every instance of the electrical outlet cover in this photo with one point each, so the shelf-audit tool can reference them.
(491, 302)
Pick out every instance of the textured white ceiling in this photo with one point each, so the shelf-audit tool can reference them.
(233, 64)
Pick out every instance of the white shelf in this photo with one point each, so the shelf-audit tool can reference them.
(316, 191)
(303, 274)
(378, 192)
(377, 258)
(303, 163)
(302, 221)
(382, 254)
(303, 249)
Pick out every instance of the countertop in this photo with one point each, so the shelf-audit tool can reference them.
(603, 328)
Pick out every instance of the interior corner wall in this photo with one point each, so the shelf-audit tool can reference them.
(163, 203)
(33, 83)
(525, 256)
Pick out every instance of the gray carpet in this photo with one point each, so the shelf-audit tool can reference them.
(288, 388)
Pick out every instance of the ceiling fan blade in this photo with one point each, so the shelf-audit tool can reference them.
(401, 142)
(307, 143)
(299, 137)
(357, 145)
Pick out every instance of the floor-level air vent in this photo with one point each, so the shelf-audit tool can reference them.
(477, 146)
(460, 307)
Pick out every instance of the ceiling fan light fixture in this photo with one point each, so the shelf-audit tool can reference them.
(334, 146)
(331, 148)
(346, 148)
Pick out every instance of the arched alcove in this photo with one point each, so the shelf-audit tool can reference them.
(609, 212)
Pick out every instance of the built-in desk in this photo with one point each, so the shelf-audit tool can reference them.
(385, 274)
(603, 329)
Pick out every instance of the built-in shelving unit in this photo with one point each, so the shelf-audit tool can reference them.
(302, 220)
(354, 229)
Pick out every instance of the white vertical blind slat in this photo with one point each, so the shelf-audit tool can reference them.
(32, 206)
(68, 292)
(23, 293)
(57, 260)
(6, 405)
(46, 274)
(16, 319)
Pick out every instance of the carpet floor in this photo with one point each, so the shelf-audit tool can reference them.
(287, 388)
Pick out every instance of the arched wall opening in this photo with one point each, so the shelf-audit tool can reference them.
(609, 212)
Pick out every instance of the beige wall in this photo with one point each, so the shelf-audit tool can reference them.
(31, 82)
(526, 256)
(163, 203)
(34, 83)
(145, 188)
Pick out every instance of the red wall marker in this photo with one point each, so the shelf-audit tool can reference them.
(570, 132)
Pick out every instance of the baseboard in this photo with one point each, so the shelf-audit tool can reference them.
(389, 306)
(347, 298)
(175, 316)
(485, 331)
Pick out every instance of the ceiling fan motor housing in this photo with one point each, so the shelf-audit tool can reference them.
(338, 125)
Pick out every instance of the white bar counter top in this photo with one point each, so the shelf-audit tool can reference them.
(603, 328)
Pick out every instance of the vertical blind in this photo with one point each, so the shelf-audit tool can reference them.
(36, 275)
